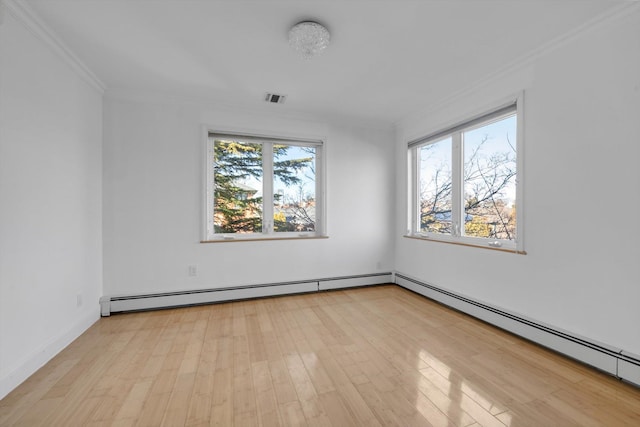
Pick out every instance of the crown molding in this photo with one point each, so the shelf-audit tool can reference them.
(623, 10)
(29, 18)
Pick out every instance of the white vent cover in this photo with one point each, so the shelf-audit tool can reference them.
(274, 98)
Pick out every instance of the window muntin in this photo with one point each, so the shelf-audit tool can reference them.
(465, 183)
(262, 187)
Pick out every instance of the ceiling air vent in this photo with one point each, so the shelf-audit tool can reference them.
(274, 98)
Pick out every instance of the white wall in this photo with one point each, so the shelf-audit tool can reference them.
(153, 201)
(582, 128)
(50, 202)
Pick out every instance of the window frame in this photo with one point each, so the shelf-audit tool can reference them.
(208, 230)
(496, 112)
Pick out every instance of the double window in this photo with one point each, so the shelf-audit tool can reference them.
(465, 183)
(263, 187)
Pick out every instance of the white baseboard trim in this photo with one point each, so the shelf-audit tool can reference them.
(611, 360)
(354, 281)
(629, 367)
(126, 303)
(35, 361)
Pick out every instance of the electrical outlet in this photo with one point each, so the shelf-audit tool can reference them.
(78, 300)
(193, 270)
(379, 265)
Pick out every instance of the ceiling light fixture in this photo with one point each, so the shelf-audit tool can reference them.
(309, 38)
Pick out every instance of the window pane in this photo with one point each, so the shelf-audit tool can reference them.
(490, 180)
(294, 186)
(434, 177)
(238, 187)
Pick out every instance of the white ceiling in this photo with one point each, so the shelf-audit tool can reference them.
(386, 60)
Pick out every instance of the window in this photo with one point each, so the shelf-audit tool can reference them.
(263, 187)
(464, 184)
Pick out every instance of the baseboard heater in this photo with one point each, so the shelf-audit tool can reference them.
(127, 303)
(614, 361)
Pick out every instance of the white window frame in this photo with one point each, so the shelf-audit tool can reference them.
(455, 131)
(209, 234)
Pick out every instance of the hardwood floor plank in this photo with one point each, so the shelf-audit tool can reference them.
(283, 386)
(178, 404)
(336, 410)
(153, 410)
(199, 412)
(382, 410)
(300, 378)
(134, 401)
(292, 415)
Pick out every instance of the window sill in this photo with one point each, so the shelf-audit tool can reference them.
(508, 250)
(262, 239)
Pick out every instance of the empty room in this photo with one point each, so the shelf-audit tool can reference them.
(322, 213)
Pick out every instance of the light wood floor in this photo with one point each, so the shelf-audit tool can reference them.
(371, 356)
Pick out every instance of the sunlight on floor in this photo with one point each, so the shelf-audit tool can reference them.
(451, 395)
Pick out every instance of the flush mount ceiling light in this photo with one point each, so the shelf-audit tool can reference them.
(309, 38)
